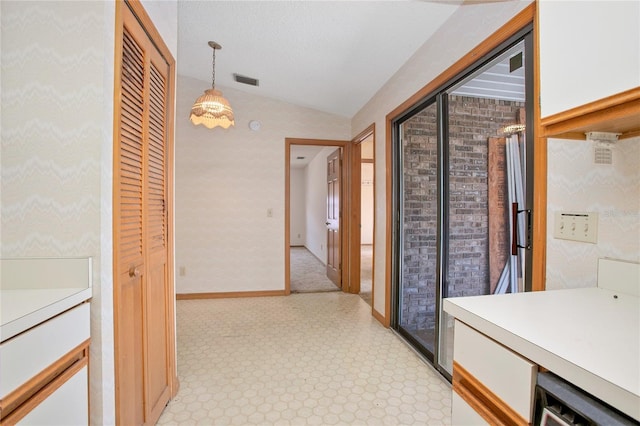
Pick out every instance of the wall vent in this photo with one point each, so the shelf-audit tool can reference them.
(603, 154)
(246, 80)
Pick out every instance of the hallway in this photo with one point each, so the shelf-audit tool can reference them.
(308, 273)
(312, 358)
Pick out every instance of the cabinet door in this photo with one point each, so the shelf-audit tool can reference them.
(588, 51)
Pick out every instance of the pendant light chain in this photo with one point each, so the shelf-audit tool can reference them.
(213, 73)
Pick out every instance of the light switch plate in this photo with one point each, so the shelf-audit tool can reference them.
(576, 226)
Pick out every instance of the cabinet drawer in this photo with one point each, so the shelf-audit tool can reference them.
(31, 352)
(73, 395)
(493, 373)
(462, 414)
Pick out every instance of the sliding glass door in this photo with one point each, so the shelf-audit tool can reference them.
(462, 198)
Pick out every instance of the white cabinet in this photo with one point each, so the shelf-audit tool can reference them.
(589, 50)
(43, 372)
(463, 414)
(67, 405)
(495, 382)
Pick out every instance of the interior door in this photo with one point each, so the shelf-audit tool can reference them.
(130, 254)
(157, 293)
(334, 235)
(142, 291)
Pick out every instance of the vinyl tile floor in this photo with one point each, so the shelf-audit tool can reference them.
(303, 359)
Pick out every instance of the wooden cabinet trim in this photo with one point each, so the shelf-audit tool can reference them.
(619, 113)
(22, 400)
(490, 406)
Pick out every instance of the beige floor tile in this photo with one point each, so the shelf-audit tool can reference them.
(304, 359)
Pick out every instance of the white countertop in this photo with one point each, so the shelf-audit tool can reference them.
(589, 336)
(21, 309)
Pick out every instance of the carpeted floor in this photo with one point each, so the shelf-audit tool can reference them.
(366, 265)
(308, 274)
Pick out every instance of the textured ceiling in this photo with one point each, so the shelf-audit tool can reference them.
(332, 56)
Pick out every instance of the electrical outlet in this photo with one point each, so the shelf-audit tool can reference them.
(183, 271)
(576, 226)
(269, 212)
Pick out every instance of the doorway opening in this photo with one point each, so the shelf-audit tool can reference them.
(364, 157)
(313, 199)
(316, 226)
(323, 212)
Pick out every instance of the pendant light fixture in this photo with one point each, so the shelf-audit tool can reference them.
(211, 109)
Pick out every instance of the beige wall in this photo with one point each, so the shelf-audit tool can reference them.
(467, 27)
(575, 183)
(366, 203)
(226, 180)
(57, 147)
(53, 95)
(298, 208)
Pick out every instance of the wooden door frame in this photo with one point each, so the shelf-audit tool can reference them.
(356, 213)
(145, 21)
(346, 169)
(526, 17)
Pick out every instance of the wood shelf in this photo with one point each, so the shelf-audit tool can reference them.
(619, 113)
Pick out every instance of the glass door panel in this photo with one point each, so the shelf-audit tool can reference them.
(484, 180)
(417, 298)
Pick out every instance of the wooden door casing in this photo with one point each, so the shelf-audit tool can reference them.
(143, 291)
(334, 240)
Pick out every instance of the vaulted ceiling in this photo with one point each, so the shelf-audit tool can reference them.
(332, 56)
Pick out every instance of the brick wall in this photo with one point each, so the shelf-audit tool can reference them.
(420, 209)
(471, 122)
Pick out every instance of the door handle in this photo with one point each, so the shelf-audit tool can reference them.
(327, 223)
(514, 232)
(134, 272)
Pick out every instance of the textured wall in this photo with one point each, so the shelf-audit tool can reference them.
(57, 147)
(467, 27)
(225, 182)
(298, 208)
(575, 183)
(366, 204)
(53, 95)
